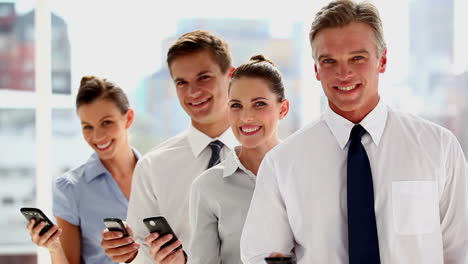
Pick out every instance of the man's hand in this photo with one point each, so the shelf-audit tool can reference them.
(119, 248)
(168, 254)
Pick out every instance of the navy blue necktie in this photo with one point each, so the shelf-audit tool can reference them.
(362, 229)
(216, 147)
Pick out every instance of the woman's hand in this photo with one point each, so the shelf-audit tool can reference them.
(49, 240)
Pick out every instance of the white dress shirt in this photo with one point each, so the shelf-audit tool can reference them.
(162, 180)
(420, 186)
(219, 203)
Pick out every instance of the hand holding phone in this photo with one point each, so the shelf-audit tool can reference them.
(38, 216)
(116, 224)
(160, 225)
(43, 232)
(118, 248)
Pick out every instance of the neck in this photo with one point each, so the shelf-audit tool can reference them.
(122, 165)
(252, 157)
(214, 129)
(357, 115)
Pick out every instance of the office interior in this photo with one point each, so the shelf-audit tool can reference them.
(46, 46)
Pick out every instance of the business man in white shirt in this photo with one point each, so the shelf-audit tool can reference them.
(365, 183)
(200, 65)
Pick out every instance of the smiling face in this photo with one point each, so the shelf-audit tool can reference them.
(104, 127)
(201, 88)
(348, 66)
(254, 112)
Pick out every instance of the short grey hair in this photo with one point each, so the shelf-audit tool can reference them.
(343, 12)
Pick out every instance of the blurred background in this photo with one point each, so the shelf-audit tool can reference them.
(126, 41)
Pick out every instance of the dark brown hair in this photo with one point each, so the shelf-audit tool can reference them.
(201, 40)
(260, 67)
(93, 88)
(343, 12)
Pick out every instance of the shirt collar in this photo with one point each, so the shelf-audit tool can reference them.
(199, 140)
(232, 164)
(95, 168)
(374, 123)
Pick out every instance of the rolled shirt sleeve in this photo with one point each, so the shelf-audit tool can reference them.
(266, 228)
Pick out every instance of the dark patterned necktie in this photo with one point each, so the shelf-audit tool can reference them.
(362, 228)
(216, 147)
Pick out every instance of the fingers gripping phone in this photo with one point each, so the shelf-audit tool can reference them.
(280, 260)
(39, 216)
(115, 224)
(160, 225)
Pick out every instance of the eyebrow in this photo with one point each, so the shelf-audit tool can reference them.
(360, 51)
(323, 56)
(352, 52)
(258, 98)
(178, 79)
(203, 72)
(252, 100)
(102, 118)
(198, 74)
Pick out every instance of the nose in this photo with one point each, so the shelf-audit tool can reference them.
(343, 71)
(194, 90)
(246, 115)
(98, 134)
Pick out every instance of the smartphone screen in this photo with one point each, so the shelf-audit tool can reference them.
(116, 224)
(39, 216)
(160, 225)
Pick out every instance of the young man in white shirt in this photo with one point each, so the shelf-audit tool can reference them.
(200, 65)
(399, 195)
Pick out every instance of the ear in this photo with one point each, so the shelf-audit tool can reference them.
(284, 108)
(317, 76)
(130, 117)
(231, 71)
(383, 61)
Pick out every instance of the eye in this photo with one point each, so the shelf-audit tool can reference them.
(328, 61)
(260, 104)
(204, 77)
(180, 83)
(106, 123)
(357, 58)
(87, 127)
(236, 105)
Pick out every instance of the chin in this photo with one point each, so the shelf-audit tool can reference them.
(347, 106)
(248, 144)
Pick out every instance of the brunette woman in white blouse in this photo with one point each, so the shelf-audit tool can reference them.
(220, 197)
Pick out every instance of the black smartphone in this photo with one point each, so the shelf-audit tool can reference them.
(159, 224)
(115, 224)
(39, 216)
(280, 260)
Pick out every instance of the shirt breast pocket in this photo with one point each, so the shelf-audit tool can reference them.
(415, 207)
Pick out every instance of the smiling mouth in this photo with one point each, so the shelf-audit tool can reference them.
(104, 146)
(200, 103)
(250, 130)
(347, 88)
